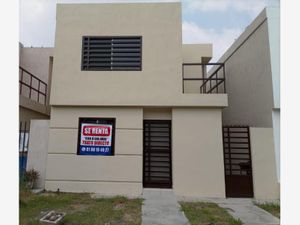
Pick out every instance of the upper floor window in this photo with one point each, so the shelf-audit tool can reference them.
(111, 53)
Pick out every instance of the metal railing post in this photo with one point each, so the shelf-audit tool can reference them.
(31, 87)
(217, 82)
(213, 81)
(45, 96)
(39, 91)
(21, 83)
(224, 78)
(183, 78)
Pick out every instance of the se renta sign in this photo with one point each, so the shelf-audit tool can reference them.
(96, 137)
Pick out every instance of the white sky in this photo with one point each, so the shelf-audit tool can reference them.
(218, 22)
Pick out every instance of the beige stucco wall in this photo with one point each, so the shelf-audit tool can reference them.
(118, 174)
(160, 28)
(38, 148)
(198, 167)
(25, 115)
(195, 53)
(197, 155)
(36, 61)
(249, 77)
(82, 172)
(157, 113)
(265, 182)
(33, 105)
(160, 81)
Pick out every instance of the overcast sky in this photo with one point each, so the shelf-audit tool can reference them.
(218, 22)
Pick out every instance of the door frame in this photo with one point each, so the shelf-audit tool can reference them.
(157, 185)
(243, 181)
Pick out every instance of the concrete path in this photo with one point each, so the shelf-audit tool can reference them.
(243, 209)
(160, 207)
(247, 212)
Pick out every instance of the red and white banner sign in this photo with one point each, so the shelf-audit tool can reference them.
(96, 135)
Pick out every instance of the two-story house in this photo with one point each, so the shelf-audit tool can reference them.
(124, 116)
(132, 107)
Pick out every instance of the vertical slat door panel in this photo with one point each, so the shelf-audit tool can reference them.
(157, 171)
(237, 161)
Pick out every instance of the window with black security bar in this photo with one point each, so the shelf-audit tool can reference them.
(111, 53)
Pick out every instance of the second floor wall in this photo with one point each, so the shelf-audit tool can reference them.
(159, 82)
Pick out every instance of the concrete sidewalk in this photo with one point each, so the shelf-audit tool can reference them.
(241, 208)
(161, 208)
(247, 212)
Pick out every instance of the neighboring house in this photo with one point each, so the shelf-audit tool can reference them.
(252, 66)
(132, 107)
(34, 64)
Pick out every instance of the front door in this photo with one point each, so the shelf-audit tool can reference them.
(237, 160)
(157, 160)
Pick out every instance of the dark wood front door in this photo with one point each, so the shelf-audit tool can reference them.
(237, 161)
(157, 163)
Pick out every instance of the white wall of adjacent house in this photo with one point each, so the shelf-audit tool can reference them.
(276, 133)
(38, 145)
(265, 184)
(273, 15)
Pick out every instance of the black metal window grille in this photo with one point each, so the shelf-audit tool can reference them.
(111, 53)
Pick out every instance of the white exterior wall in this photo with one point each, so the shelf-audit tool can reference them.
(265, 184)
(276, 133)
(38, 148)
(197, 153)
(273, 15)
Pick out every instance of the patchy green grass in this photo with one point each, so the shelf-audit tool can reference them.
(204, 213)
(272, 208)
(81, 209)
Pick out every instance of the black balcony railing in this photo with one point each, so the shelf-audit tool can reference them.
(209, 82)
(32, 87)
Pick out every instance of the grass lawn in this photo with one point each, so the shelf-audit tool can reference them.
(272, 208)
(81, 209)
(204, 213)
